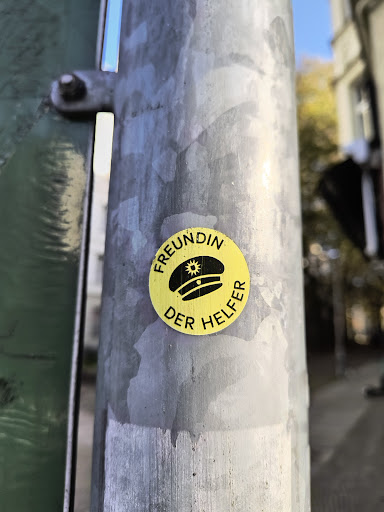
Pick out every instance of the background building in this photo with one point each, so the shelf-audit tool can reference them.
(96, 260)
(101, 168)
(359, 85)
(358, 47)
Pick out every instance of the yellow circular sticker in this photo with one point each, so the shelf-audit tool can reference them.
(199, 281)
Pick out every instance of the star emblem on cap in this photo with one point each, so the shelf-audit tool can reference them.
(192, 267)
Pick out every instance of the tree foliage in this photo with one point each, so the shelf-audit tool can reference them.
(316, 111)
(317, 125)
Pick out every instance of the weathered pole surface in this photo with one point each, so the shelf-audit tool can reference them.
(205, 136)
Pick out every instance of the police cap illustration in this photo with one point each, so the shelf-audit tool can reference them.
(196, 277)
(199, 281)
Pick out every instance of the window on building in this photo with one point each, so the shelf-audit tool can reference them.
(105, 215)
(362, 111)
(99, 268)
(347, 10)
(95, 322)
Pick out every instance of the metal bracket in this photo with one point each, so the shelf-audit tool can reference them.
(84, 92)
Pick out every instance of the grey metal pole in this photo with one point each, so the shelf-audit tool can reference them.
(205, 137)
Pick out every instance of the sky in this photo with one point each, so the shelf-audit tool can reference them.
(112, 36)
(313, 30)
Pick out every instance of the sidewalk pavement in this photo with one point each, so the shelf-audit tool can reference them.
(347, 445)
(346, 439)
(84, 446)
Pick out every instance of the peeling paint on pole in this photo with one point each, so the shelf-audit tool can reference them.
(205, 136)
